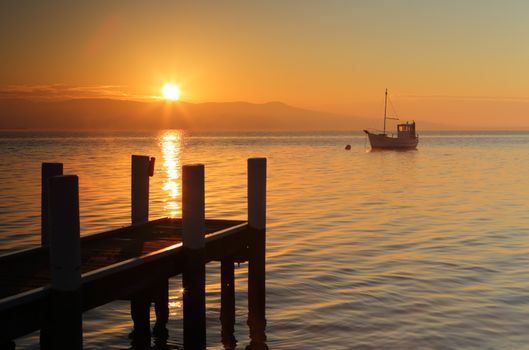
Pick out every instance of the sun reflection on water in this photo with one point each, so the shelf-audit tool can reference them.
(171, 144)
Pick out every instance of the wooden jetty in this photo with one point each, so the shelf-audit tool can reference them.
(47, 288)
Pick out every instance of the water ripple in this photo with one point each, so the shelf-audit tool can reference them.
(418, 250)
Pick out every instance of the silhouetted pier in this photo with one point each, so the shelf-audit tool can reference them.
(48, 287)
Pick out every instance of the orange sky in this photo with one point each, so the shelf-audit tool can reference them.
(449, 62)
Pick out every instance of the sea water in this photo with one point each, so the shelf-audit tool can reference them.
(425, 249)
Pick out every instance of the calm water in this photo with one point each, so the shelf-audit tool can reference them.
(385, 250)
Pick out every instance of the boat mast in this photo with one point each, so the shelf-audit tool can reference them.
(385, 109)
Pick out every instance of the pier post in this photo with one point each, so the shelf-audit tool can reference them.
(140, 189)
(47, 170)
(257, 249)
(160, 294)
(65, 260)
(194, 274)
(140, 303)
(227, 302)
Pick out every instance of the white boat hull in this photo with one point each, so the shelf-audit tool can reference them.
(381, 141)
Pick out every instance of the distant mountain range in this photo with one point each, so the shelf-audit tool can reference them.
(113, 114)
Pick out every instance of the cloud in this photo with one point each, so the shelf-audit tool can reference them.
(63, 92)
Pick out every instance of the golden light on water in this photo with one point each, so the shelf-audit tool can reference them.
(171, 144)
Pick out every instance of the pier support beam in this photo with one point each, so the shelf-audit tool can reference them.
(194, 274)
(227, 303)
(257, 250)
(161, 308)
(65, 326)
(48, 170)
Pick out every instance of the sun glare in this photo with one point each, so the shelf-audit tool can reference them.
(171, 92)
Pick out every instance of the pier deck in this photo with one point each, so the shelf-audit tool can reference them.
(48, 288)
(114, 265)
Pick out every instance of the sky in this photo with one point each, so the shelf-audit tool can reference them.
(463, 62)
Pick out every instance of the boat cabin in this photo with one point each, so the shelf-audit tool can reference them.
(406, 130)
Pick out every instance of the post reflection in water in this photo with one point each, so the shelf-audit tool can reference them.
(171, 144)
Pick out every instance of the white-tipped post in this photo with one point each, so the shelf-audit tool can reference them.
(257, 250)
(48, 170)
(194, 274)
(65, 261)
(140, 189)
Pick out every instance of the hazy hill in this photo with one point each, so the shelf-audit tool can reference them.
(133, 115)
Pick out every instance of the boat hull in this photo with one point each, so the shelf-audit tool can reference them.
(382, 141)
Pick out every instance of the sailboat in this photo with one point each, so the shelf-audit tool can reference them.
(406, 138)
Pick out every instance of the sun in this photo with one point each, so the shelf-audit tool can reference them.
(171, 92)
